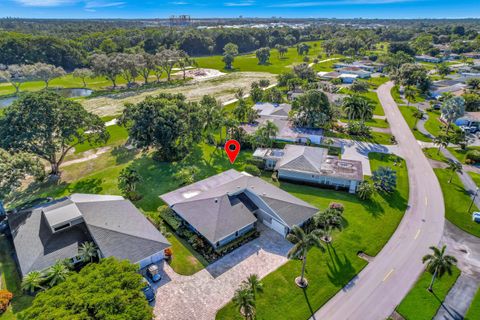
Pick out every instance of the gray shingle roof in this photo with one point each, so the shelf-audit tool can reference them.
(114, 224)
(216, 207)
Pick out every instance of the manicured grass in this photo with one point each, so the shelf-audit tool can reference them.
(376, 137)
(377, 82)
(420, 304)
(100, 176)
(249, 62)
(457, 200)
(369, 225)
(433, 124)
(473, 312)
(396, 95)
(118, 136)
(433, 154)
(10, 280)
(475, 177)
(461, 154)
(377, 123)
(408, 115)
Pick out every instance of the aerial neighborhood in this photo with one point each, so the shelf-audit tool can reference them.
(238, 168)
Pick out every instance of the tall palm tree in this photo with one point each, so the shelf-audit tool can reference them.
(328, 221)
(357, 107)
(270, 131)
(245, 301)
(302, 243)
(438, 263)
(409, 94)
(441, 140)
(452, 109)
(33, 281)
(57, 273)
(88, 251)
(253, 282)
(454, 167)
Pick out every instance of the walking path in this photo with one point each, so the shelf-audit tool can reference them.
(383, 283)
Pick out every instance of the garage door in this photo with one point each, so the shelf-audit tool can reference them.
(277, 226)
(152, 259)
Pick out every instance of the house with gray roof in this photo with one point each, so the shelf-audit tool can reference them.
(230, 204)
(54, 231)
(312, 165)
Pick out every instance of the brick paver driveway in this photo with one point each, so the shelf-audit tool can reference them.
(200, 296)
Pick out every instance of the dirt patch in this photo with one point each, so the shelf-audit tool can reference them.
(221, 87)
(201, 74)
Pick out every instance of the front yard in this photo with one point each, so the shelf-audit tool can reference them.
(420, 304)
(369, 225)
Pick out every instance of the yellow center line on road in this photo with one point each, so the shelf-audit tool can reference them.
(417, 234)
(388, 275)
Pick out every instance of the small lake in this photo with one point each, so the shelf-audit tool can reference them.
(67, 93)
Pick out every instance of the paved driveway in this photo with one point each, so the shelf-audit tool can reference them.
(201, 295)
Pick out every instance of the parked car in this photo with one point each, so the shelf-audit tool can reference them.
(148, 291)
(154, 273)
(476, 216)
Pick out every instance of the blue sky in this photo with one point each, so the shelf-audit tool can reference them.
(235, 8)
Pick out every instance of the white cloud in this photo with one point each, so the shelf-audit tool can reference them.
(335, 3)
(246, 3)
(103, 4)
(45, 3)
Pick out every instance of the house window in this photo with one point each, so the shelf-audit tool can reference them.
(236, 234)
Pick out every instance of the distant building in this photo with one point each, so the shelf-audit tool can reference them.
(55, 231)
(361, 73)
(312, 165)
(365, 65)
(470, 120)
(426, 58)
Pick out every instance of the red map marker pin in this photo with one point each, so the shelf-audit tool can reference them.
(232, 148)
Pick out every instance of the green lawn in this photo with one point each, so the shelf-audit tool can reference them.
(10, 280)
(461, 154)
(473, 312)
(376, 137)
(420, 304)
(433, 154)
(475, 177)
(433, 124)
(377, 123)
(396, 95)
(118, 136)
(377, 81)
(457, 201)
(408, 115)
(249, 62)
(369, 225)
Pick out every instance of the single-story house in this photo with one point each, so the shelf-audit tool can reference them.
(54, 231)
(362, 74)
(312, 165)
(348, 77)
(427, 58)
(295, 93)
(324, 75)
(287, 131)
(470, 119)
(228, 205)
(366, 65)
(456, 88)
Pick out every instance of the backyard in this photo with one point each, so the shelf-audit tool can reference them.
(368, 226)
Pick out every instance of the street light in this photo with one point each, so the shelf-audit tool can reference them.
(473, 199)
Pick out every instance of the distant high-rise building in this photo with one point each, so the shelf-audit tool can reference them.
(180, 21)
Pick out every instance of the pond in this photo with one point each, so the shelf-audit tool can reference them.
(67, 93)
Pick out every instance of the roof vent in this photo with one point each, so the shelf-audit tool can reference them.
(215, 200)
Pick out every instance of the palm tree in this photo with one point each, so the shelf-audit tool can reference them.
(452, 109)
(302, 243)
(270, 131)
(57, 273)
(409, 94)
(33, 281)
(454, 167)
(88, 251)
(441, 140)
(253, 282)
(329, 220)
(438, 264)
(245, 301)
(128, 179)
(357, 107)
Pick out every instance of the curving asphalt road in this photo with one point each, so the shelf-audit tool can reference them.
(381, 286)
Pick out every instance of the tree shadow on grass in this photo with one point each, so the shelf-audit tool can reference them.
(340, 269)
(123, 155)
(312, 311)
(451, 312)
(93, 185)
